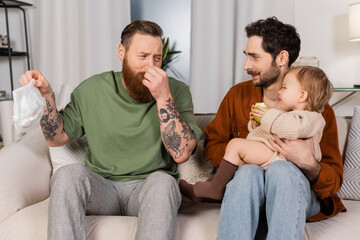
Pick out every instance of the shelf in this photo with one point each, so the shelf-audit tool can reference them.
(351, 91)
(356, 89)
(7, 52)
(13, 53)
(13, 3)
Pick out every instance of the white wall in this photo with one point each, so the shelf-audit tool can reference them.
(323, 27)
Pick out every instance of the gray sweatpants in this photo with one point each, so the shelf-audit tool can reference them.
(76, 191)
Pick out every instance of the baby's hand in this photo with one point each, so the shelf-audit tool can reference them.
(254, 124)
(258, 111)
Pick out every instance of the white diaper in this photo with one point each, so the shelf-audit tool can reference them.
(28, 107)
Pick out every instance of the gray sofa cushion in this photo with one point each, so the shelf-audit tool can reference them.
(351, 185)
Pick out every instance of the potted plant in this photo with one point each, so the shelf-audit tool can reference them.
(168, 55)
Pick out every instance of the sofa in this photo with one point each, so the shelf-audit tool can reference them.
(26, 168)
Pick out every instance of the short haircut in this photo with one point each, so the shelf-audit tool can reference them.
(316, 83)
(142, 27)
(276, 36)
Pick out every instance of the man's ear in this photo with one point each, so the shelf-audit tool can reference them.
(283, 58)
(303, 96)
(121, 52)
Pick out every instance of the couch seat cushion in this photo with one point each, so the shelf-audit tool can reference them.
(197, 222)
(345, 225)
(31, 224)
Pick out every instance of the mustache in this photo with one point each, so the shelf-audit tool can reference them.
(141, 74)
(252, 73)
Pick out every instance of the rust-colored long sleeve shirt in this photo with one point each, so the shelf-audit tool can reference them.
(231, 121)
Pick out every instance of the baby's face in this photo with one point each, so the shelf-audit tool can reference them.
(290, 93)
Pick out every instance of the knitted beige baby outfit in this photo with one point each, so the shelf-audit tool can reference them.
(297, 124)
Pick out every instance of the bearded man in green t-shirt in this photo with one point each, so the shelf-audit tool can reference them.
(139, 124)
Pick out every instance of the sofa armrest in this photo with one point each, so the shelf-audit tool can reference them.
(24, 174)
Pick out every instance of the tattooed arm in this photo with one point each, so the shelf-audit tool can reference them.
(51, 122)
(178, 138)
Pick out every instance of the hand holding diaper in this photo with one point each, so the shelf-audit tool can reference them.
(28, 107)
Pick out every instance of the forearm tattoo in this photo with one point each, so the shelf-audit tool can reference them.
(50, 121)
(172, 139)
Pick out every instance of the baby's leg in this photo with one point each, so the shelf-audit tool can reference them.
(240, 151)
(214, 189)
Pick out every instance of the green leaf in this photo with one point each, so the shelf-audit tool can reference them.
(165, 48)
(168, 56)
(173, 52)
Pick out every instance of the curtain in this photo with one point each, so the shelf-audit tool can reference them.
(73, 40)
(218, 40)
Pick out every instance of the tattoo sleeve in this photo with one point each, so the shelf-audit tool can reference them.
(51, 122)
(176, 134)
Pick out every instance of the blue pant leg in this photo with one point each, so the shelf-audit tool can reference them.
(240, 210)
(289, 201)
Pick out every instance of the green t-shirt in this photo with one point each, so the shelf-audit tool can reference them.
(123, 135)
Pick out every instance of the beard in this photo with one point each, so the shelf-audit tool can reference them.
(269, 77)
(134, 85)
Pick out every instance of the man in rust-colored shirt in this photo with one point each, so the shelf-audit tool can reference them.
(289, 192)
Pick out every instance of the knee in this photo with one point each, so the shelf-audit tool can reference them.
(247, 174)
(68, 174)
(162, 181)
(161, 177)
(281, 171)
(233, 144)
(249, 171)
(247, 183)
(161, 185)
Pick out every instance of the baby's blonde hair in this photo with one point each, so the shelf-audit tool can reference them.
(315, 82)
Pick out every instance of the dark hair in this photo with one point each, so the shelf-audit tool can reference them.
(139, 26)
(277, 36)
(316, 83)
